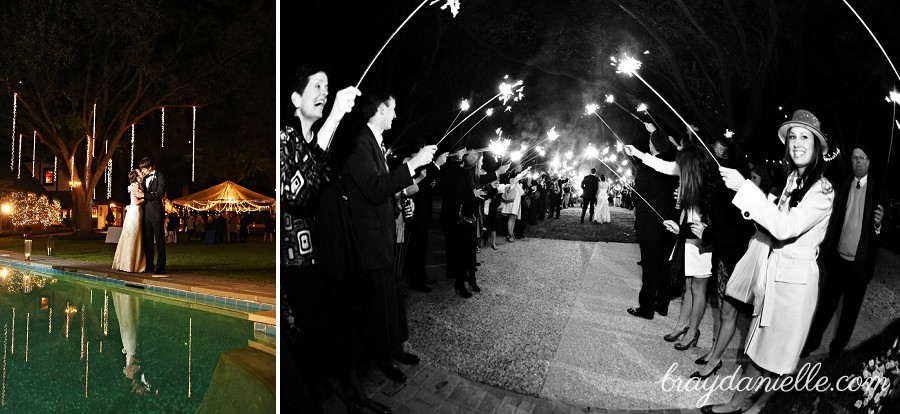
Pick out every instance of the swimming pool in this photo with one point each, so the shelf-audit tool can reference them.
(72, 345)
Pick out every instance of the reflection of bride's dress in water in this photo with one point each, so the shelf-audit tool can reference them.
(129, 253)
(128, 313)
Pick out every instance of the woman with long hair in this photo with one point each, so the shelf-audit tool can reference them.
(798, 224)
(129, 255)
(696, 170)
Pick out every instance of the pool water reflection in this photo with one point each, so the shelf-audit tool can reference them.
(73, 346)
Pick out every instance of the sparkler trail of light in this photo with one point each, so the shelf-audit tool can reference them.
(624, 109)
(507, 91)
(552, 135)
(620, 145)
(487, 113)
(630, 66)
(464, 106)
(625, 183)
(454, 8)
(873, 38)
(643, 108)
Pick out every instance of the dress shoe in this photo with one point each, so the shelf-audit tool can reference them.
(149, 270)
(421, 288)
(407, 359)
(640, 313)
(474, 286)
(461, 291)
(697, 374)
(673, 338)
(392, 371)
(662, 311)
(707, 409)
(682, 346)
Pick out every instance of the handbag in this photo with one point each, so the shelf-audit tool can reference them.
(465, 220)
(747, 270)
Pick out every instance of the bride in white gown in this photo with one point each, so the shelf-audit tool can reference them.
(130, 253)
(601, 215)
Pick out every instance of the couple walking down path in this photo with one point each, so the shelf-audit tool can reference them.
(144, 222)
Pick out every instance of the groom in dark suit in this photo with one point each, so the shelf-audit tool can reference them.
(154, 227)
(370, 189)
(589, 187)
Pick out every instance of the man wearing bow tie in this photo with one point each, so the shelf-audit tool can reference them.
(154, 217)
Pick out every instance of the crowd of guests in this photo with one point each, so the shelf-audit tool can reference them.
(729, 224)
(217, 228)
(355, 234)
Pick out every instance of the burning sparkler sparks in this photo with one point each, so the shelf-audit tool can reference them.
(630, 66)
(552, 135)
(894, 97)
(464, 106)
(512, 91)
(729, 133)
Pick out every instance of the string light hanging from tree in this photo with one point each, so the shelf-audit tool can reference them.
(131, 165)
(108, 175)
(12, 155)
(19, 175)
(163, 138)
(55, 160)
(193, 142)
(33, 150)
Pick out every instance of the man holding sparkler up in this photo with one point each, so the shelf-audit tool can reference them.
(370, 189)
(654, 241)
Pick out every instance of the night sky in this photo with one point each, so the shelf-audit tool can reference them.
(821, 60)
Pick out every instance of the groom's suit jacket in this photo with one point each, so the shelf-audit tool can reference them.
(154, 191)
(370, 190)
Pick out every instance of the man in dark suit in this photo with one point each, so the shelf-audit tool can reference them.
(589, 196)
(654, 241)
(849, 249)
(154, 228)
(370, 190)
(417, 245)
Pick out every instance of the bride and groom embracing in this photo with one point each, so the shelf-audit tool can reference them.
(144, 222)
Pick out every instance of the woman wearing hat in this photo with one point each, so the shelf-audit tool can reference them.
(790, 277)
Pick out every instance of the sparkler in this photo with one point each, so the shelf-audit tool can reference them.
(612, 99)
(630, 66)
(507, 91)
(552, 136)
(489, 112)
(643, 108)
(625, 183)
(454, 9)
(873, 38)
(619, 145)
(463, 106)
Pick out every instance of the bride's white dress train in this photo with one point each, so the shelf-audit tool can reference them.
(601, 214)
(130, 252)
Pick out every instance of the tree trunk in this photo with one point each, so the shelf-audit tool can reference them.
(81, 212)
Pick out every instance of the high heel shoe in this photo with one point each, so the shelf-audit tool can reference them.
(509, 239)
(681, 347)
(474, 286)
(697, 374)
(701, 360)
(461, 291)
(673, 338)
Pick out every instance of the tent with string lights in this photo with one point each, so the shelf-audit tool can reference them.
(226, 196)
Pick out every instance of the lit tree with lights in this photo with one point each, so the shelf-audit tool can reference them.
(29, 209)
(90, 69)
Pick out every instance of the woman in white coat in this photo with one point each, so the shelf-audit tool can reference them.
(511, 197)
(791, 276)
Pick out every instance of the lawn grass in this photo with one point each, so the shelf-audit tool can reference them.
(252, 261)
